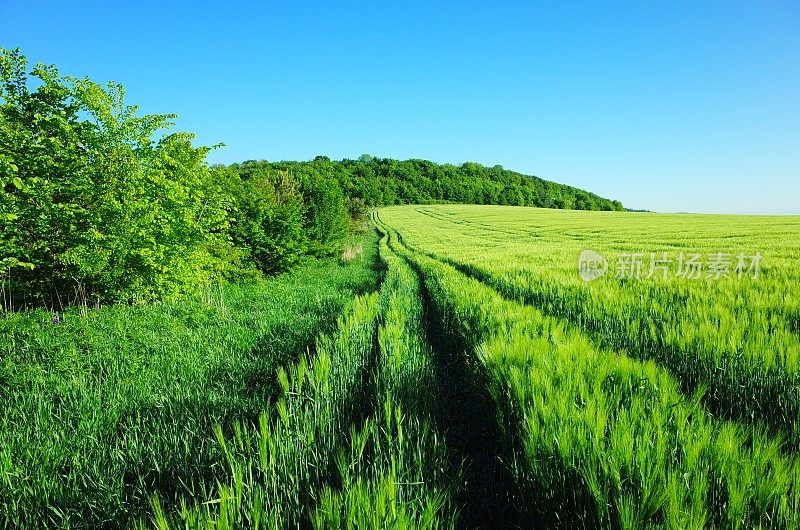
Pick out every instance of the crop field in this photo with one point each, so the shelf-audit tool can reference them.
(512, 368)
(662, 389)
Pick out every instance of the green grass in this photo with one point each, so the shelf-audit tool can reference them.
(110, 407)
(593, 437)
(351, 440)
(482, 385)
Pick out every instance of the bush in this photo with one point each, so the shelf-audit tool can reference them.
(326, 220)
(282, 216)
(94, 208)
(268, 221)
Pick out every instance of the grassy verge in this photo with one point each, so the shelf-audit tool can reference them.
(108, 408)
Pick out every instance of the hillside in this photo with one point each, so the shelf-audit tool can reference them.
(385, 181)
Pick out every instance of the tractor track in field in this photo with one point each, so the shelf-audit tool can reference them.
(477, 225)
(465, 413)
(451, 314)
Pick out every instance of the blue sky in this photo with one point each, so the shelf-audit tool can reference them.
(669, 106)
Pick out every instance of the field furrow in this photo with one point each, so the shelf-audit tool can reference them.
(465, 414)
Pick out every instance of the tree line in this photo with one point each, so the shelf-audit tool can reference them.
(100, 204)
(385, 181)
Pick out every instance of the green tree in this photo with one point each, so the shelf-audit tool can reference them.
(94, 204)
(268, 224)
(326, 216)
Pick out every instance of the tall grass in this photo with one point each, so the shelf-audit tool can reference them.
(400, 476)
(276, 467)
(103, 411)
(350, 442)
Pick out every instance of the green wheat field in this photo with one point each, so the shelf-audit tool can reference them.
(460, 371)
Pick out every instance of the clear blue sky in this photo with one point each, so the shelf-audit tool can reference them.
(669, 106)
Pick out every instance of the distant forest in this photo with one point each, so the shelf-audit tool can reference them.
(385, 181)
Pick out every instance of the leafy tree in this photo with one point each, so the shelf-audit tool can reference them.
(95, 208)
(268, 220)
(327, 219)
(324, 218)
